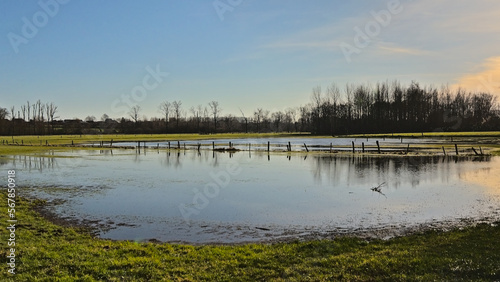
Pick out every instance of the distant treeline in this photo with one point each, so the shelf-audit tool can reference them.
(383, 108)
(392, 107)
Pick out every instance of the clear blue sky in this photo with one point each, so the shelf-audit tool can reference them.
(85, 56)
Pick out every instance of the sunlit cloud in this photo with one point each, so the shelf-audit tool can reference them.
(487, 79)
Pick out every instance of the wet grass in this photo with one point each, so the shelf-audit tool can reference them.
(34, 144)
(48, 252)
(489, 145)
(427, 135)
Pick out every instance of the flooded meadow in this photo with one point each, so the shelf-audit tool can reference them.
(205, 196)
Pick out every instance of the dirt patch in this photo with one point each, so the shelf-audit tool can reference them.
(46, 209)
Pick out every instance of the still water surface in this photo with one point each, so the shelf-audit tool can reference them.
(203, 197)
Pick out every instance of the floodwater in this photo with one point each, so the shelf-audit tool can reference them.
(213, 197)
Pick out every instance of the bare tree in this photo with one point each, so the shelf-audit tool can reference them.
(23, 110)
(42, 112)
(316, 97)
(134, 113)
(37, 111)
(333, 93)
(28, 109)
(266, 120)
(12, 112)
(229, 121)
(246, 121)
(278, 118)
(165, 109)
(258, 117)
(197, 115)
(215, 110)
(4, 114)
(206, 119)
(51, 112)
(291, 118)
(90, 119)
(104, 117)
(177, 112)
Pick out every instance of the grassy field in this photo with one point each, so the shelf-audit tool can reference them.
(429, 134)
(34, 144)
(48, 252)
(79, 139)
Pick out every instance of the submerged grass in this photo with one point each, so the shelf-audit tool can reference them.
(48, 252)
(13, 145)
(428, 134)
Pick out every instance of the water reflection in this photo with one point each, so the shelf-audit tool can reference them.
(29, 163)
(396, 170)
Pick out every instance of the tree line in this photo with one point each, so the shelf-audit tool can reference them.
(363, 108)
(391, 107)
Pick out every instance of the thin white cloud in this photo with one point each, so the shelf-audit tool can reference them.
(327, 44)
(394, 49)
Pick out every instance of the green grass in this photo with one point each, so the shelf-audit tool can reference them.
(78, 139)
(37, 144)
(47, 252)
(429, 134)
